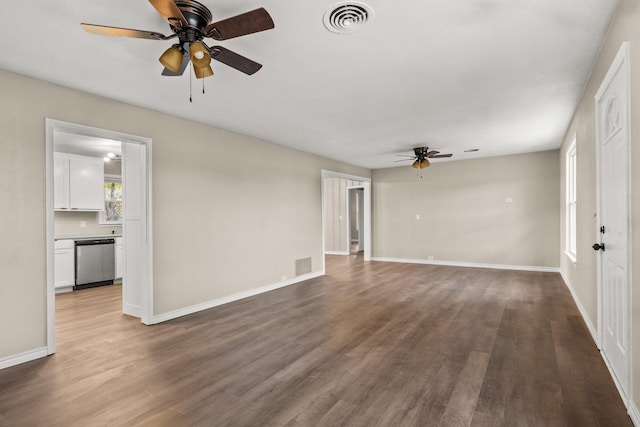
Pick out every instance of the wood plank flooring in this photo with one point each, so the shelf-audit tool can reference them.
(369, 344)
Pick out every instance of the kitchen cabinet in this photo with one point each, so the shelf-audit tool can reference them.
(78, 182)
(64, 264)
(119, 257)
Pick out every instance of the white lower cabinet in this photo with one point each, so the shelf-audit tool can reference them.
(64, 256)
(119, 257)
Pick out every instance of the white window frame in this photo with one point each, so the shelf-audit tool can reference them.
(101, 220)
(571, 206)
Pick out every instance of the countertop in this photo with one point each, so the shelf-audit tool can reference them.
(88, 237)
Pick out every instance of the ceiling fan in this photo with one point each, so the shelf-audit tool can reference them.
(191, 22)
(421, 156)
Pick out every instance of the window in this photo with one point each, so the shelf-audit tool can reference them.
(571, 208)
(112, 213)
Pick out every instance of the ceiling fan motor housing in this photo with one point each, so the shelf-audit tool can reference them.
(197, 15)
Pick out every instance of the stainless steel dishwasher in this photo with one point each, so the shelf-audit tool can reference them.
(95, 263)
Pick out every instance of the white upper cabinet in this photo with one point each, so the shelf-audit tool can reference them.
(78, 182)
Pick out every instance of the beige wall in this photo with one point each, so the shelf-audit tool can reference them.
(223, 222)
(336, 221)
(583, 275)
(463, 212)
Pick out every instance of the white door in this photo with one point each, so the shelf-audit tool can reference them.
(612, 113)
(134, 193)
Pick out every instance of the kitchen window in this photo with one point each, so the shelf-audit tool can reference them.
(112, 213)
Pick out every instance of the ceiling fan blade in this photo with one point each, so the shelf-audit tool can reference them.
(432, 153)
(440, 156)
(234, 60)
(183, 66)
(170, 12)
(124, 32)
(240, 25)
(403, 160)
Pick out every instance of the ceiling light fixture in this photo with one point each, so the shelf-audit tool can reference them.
(172, 59)
(201, 58)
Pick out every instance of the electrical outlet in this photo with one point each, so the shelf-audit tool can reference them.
(83, 224)
(508, 200)
(430, 257)
(284, 277)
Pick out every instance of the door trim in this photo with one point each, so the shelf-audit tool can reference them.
(621, 60)
(366, 185)
(52, 125)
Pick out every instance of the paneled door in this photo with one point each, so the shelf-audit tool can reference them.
(612, 145)
(135, 272)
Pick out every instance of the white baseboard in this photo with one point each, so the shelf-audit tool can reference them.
(468, 264)
(27, 356)
(581, 309)
(634, 413)
(132, 310)
(231, 298)
(336, 253)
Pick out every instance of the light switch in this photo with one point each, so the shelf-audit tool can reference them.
(508, 200)
(83, 224)
(418, 217)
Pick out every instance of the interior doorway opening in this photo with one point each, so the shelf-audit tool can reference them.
(338, 191)
(355, 215)
(69, 215)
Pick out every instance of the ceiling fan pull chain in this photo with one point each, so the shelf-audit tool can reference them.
(190, 91)
(203, 86)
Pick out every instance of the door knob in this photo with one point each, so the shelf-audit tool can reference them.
(598, 246)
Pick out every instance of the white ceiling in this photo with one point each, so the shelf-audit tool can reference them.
(503, 76)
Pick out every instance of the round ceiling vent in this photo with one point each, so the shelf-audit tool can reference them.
(347, 17)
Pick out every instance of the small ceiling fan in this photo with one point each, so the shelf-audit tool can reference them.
(191, 22)
(421, 156)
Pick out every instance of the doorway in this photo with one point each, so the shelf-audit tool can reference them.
(613, 220)
(334, 225)
(355, 215)
(136, 219)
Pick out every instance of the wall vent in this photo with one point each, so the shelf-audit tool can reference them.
(347, 17)
(303, 266)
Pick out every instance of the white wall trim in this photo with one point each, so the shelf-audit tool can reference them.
(27, 356)
(231, 298)
(583, 312)
(336, 253)
(469, 264)
(634, 413)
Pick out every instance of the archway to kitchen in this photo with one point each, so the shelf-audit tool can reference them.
(137, 296)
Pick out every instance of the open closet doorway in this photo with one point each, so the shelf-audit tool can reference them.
(336, 230)
(98, 193)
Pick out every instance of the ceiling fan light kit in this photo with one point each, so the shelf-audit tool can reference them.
(202, 72)
(421, 156)
(172, 59)
(191, 22)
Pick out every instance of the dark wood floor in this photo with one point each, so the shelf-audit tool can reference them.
(368, 344)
